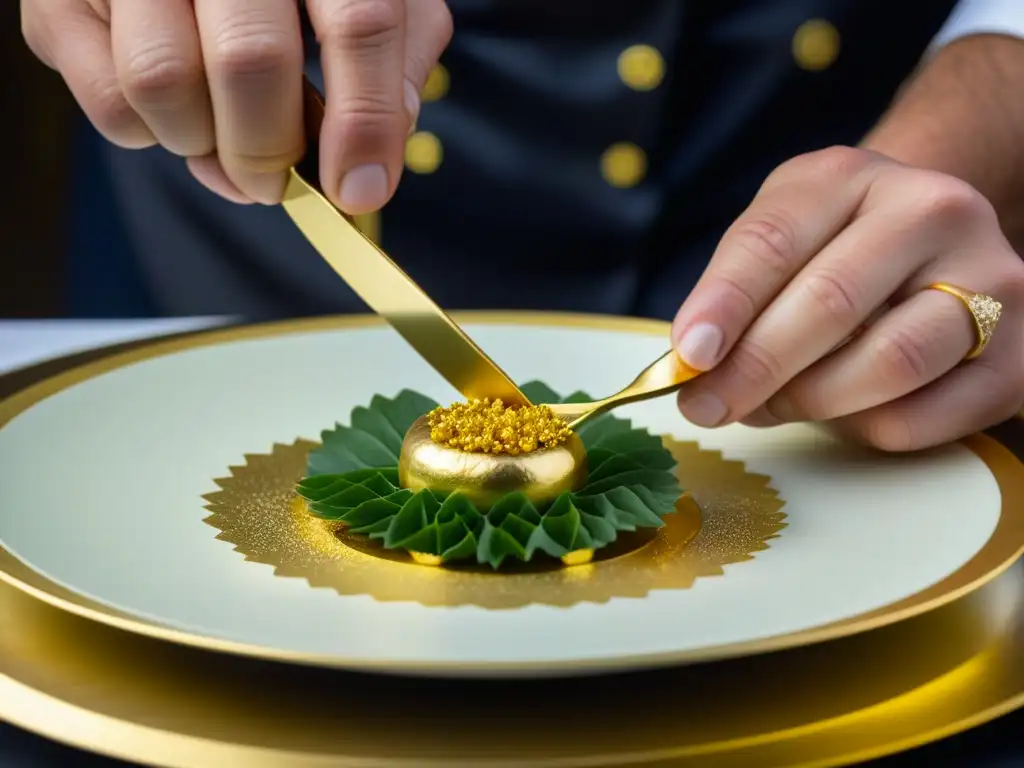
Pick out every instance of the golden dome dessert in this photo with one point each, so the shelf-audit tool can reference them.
(486, 450)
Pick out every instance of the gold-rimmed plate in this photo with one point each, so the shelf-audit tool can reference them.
(835, 703)
(107, 472)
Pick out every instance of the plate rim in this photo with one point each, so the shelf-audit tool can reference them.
(42, 710)
(1003, 548)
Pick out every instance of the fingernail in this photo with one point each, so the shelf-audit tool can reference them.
(704, 410)
(364, 189)
(412, 104)
(700, 346)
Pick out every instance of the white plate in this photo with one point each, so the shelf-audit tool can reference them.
(103, 472)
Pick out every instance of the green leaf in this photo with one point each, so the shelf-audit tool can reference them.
(375, 530)
(513, 504)
(374, 510)
(600, 428)
(660, 502)
(450, 534)
(634, 440)
(615, 464)
(457, 505)
(359, 446)
(462, 550)
(322, 486)
(655, 479)
(562, 522)
(376, 423)
(312, 485)
(417, 513)
(519, 528)
(601, 531)
(601, 506)
(577, 397)
(538, 392)
(338, 505)
(424, 540)
(374, 438)
(641, 512)
(497, 544)
(332, 460)
(353, 477)
(404, 409)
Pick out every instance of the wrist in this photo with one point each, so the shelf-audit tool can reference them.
(962, 114)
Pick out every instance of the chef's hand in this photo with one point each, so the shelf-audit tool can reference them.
(830, 238)
(219, 82)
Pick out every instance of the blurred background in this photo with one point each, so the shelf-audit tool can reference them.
(49, 241)
(35, 216)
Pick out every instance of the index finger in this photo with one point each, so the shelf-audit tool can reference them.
(802, 206)
(362, 51)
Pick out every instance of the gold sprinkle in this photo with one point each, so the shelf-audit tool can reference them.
(486, 426)
(578, 557)
(422, 558)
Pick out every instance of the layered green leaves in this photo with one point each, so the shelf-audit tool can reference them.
(353, 478)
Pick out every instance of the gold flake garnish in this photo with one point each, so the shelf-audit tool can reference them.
(486, 426)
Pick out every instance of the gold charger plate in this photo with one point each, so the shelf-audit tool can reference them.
(991, 558)
(112, 692)
(835, 703)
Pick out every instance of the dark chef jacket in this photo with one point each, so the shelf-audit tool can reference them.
(579, 155)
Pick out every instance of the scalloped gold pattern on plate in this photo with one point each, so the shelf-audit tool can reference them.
(726, 516)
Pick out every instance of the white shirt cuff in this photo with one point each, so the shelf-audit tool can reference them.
(974, 17)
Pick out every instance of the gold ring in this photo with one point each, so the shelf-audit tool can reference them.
(985, 312)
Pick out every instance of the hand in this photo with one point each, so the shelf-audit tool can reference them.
(831, 238)
(219, 82)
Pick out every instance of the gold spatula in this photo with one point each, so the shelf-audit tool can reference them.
(382, 284)
(393, 295)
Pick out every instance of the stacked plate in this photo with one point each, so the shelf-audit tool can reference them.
(163, 602)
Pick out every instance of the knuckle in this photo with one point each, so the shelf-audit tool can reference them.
(367, 121)
(831, 162)
(420, 59)
(254, 46)
(901, 357)
(366, 22)
(756, 366)
(265, 164)
(735, 291)
(160, 76)
(835, 293)
(1008, 285)
(770, 239)
(841, 160)
(111, 109)
(948, 199)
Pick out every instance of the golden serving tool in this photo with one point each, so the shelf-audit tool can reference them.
(666, 374)
(382, 284)
(396, 297)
